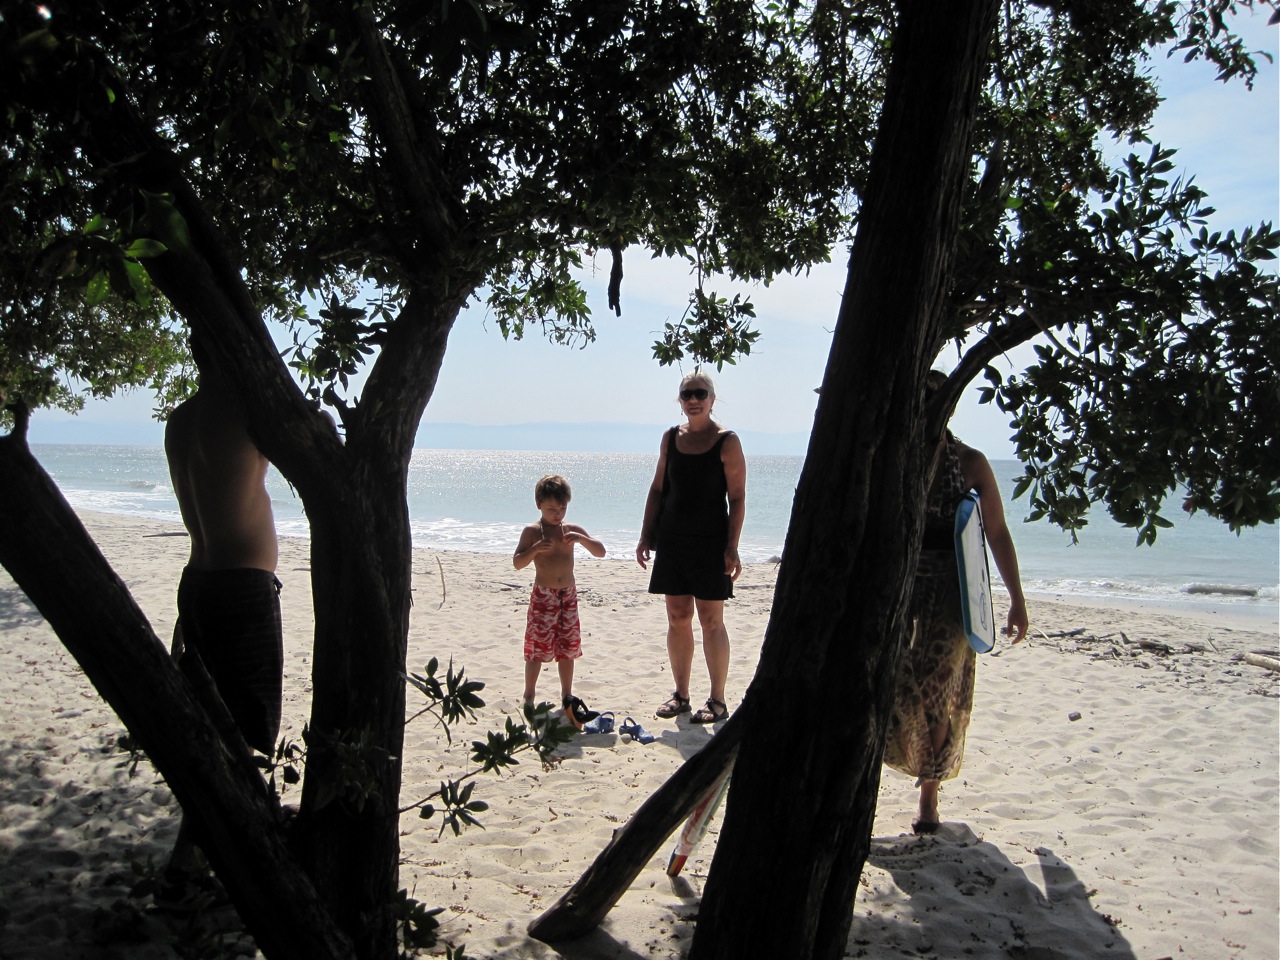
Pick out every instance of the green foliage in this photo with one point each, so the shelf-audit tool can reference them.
(289, 760)
(449, 702)
(1156, 368)
(1204, 32)
(457, 807)
(731, 135)
(532, 131)
(83, 319)
(712, 327)
(1169, 380)
(338, 345)
(542, 732)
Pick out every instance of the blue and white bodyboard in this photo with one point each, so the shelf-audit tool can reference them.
(976, 609)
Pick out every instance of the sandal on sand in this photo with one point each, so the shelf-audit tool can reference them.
(636, 732)
(674, 706)
(713, 712)
(924, 827)
(601, 724)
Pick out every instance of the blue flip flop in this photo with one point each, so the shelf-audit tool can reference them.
(601, 724)
(636, 732)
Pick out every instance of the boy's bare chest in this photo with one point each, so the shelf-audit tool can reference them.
(555, 537)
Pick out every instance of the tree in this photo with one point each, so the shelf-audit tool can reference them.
(1121, 272)
(237, 161)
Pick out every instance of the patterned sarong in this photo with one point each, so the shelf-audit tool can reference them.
(935, 676)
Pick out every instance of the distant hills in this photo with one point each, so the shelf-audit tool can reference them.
(585, 437)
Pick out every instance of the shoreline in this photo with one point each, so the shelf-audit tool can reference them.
(1205, 603)
(1115, 798)
(1208, 612)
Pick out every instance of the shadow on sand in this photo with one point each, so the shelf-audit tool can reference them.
(964, 897)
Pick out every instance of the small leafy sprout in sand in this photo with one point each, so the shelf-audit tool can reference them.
(134, 753)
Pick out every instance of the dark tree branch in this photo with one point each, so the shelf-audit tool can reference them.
(412, 154)
(404, 376)
(999, 340)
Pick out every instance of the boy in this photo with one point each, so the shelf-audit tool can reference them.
(552, 632)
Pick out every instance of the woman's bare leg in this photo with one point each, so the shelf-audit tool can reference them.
(680, 641)
(928, 812)
(715, 644)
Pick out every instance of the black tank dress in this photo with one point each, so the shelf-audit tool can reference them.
(693, 528)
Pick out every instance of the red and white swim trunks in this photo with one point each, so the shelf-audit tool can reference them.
(552, 631)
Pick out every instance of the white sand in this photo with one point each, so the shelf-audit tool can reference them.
(1145, 829)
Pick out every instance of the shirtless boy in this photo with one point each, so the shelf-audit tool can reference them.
(228, 603)
(552, 632)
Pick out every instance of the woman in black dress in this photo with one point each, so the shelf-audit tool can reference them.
(692, 521)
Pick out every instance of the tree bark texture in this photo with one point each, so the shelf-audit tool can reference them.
(348, 824)
(56, 564)
(800, 810)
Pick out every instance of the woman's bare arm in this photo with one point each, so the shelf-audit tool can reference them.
(979, 475)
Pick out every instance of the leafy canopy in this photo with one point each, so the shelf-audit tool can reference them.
(1156, 352)
(368, 151)
(357, 154)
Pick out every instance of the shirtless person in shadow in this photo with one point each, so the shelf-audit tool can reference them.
(228, 598)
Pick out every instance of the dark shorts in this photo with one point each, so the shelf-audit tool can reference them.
(231, 618)
(690, 567)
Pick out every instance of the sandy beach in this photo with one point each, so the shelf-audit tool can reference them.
(1119, 796)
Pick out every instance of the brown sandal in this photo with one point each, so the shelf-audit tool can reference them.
(713, 712)
(674, 706)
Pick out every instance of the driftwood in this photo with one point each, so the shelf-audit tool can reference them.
(1155, 645)
(444, 590)
(1119, 646)
(581, 909)
(1262, 660)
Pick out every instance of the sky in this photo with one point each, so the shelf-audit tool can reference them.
(612, 395)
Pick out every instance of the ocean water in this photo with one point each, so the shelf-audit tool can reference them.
(480, 500)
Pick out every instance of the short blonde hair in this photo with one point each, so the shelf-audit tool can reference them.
(552, 487)
(701, 377)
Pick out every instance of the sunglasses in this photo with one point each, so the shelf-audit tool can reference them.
(698, 394)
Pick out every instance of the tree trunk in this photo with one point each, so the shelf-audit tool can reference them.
(361, 563)
(349, 820)
(801, 806)
(56, 564)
